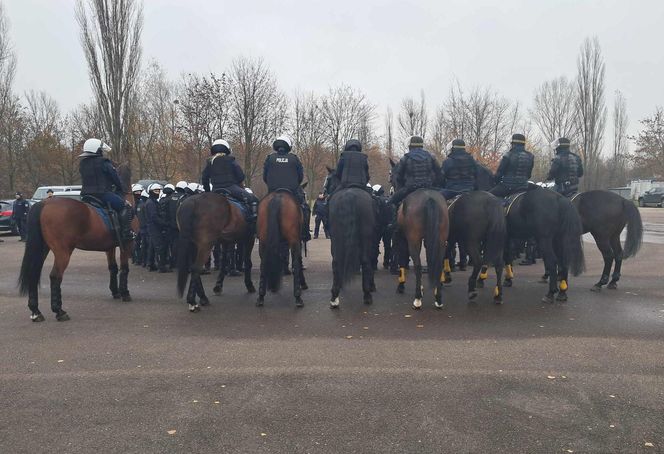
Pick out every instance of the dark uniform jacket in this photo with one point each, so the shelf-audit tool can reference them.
(283, 171)
(417, 169)
(168, 206)
(222, 171)
(515, 167)
(353, 169)
(320, 208)
(459, 171)
(566, 169)
(98, 176)
(152, 214)
(20, 210)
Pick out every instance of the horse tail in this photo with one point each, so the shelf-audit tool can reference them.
(35, 252)
(186, 244)
(347, 248)
(572, 230)
(634, 229)
(273, 247)
(496, 231)
(433, 243)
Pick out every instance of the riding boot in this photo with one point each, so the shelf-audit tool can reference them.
(125, 218)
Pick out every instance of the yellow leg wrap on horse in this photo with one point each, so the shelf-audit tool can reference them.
(446, 266)
(484, 274)
(563, 285)
(402, 275)
(509, 274)
(443, 279)
(496, 291)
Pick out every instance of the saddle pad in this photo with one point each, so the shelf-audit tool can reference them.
(242, 207)
(103, 214)
(509, 200)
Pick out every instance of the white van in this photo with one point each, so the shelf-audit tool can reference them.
(40, 193)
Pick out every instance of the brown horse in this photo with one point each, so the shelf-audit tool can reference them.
(61, 225)
(280, 221)
(205, 220)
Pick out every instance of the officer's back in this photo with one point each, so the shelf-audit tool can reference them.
(282, 169)
(353, 166)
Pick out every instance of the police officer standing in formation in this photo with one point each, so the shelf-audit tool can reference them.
(20, 214)
(168, 206)
(566, 168)
(416, 170)
(137, 190)
(156, 226)
(283, 170)
(515, 169)
(459, 170)
(100, 180)
(353, 167)
(223, 172)
(320, 212)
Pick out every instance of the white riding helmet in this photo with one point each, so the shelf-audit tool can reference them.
(169, 186)
(144, 194)
(137, 188)
(193, 186)
(200, 188)
(286, 139)
(181, 184)
(249, 190)
(155, 186)
(222, 142)
(376, 187)
(94, 147)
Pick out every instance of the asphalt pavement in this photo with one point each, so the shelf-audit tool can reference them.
(148, 376)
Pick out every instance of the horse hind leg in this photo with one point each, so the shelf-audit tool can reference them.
(248, 265)
(60, 263)
(604, 247)
(617, 257)
(550, 265)
(417, 264)
(125, 253)
(296, 259)
(219, 285)
(336, 285)
(476, 258)
(113, 270)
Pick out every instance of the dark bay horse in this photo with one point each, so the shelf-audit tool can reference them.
(280, 221)
(61, 225)
(353, 235)
(477, 224)
(204, 220)
(605, 214)
(554, 223)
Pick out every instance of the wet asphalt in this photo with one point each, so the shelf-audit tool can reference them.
(148, 376)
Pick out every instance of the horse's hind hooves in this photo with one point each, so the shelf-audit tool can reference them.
(116, 296)
(299, 303)
(612, 286)
(562, 297)
(547, 299)
(596, 288)
(205, 301)
(62, 317)
(304, 286)
(193, 308)
(37, 318)
(217, 290)
(126, 298)
(507, 283)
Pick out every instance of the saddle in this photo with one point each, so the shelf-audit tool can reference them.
(240, 204)
(452, 201)
(510, 199)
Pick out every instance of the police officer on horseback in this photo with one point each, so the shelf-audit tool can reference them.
(100, 180)
(566, 168)
(515, 169)
(459, 170)
(223, 173)
(353, 167)
(283, 170)
(416, 170)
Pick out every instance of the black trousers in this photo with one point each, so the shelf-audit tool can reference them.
(20, 226)
(319, 220)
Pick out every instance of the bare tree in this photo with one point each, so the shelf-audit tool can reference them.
(617, 164)
(413, 118)
(308, 130)
(259, 111)
(345, 111)
(389, 133)
(591, 109)
(554, 110)
(43, 141)
(649, 153)
(111, 39)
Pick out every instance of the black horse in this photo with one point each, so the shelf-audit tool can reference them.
(477, 224)
(554, 223)
(605, 214)
(352, 220)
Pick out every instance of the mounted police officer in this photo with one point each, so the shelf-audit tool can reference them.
(416, 170)
(222, 172)
(459, 170)
(100, 180)
(283, 170)
(156, 226)
(353, 167)
(20, 214)
(515, 169)
(566, 168)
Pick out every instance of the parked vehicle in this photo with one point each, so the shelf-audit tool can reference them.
(40, 193)
(6, 222)
(73, 194)
(653, 197)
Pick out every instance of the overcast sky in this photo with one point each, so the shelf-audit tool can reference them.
(388, 49)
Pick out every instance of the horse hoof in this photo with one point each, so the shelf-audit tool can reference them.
(193, 308)
(438, 304)
(472, 295)
(299, 302)
(368, 299)
(37, 318)
(612, 286)
(304, 286)
(547, 299)
(596, 288)
(116, 296)
(561, 296)
(400, 289)
(205, 302)
(62, 316)
(507, 283)
(497, 300)
(480, 283)
(259, 302)
(543, 280)
(216, 290)
(417, 303)
(334, 304)
(126, 298)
